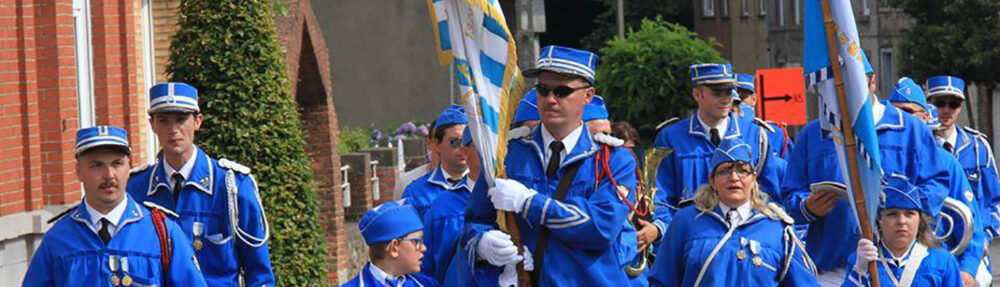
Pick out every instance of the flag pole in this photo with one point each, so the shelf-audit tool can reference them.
(506, 220)
(850, 143)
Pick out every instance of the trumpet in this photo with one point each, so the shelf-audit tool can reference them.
(644, 207)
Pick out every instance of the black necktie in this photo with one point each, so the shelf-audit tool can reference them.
(104, 233)
(554, 160)
(178, 183)
(452, 181)
(731, 217)
(947, 146)
(715, 136)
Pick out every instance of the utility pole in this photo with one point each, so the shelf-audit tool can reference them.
(530, 18)
(621, 18)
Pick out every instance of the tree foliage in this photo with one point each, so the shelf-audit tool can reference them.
(674, 11)
(229, 50)
(644, 77)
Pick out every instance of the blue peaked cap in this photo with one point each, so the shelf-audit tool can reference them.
(595, 110)
(711, 74)
(173, 97)
(945, 85)
(389, 221)
(907, 91)
(527, 109)
(746, 82)
(466, 137)
(898, 193)
(88, 138)
(868, 64)
(453, 115)
(731, 150)
(565, 60)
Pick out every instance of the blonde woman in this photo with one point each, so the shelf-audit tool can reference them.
(732, 235)
(908, 253)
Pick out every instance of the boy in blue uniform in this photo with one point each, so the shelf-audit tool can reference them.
(570, 230)
(109, 239)
(694, 139)
(907, 253)
(732, 235)
(972, 150)
(218, 203)
(906, 149)
(394, 235)
(450, 174)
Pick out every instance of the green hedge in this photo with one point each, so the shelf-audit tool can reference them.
(229, 50)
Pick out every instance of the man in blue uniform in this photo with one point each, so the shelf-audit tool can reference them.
(395, 236)
(571, 230)
(450, 174)
(972, 150)
(906, 148)
(694, 139)
(219, 206)
(444, 220)
(909, 97)
(110, 239)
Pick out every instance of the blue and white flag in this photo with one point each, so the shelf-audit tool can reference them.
(859, 101)
(473, 37)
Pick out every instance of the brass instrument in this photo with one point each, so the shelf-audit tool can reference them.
(955, 226)
(646, 191)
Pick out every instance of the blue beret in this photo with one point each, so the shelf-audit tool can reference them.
(746, 82)
(453, 115)
(711, 74)
(88, 138)
(907, 91)
(731, 150)
(868, 64)
(565, 60)
(389, 221)
(466, 136)
(173, 97)
(945, 85)
(898, 193)
(595, 110)
(527, 109)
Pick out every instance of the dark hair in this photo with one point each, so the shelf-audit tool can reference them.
(439, 131)
(378, 251)
(626, 132)
(109, 148)
(430, 129)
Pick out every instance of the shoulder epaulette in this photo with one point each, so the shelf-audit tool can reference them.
(764, 124)
(667, 123)
(166, 211)
(234, 166)
(778, 211)
(140, 168)
(608, 140)
(518, 133)
(60, 215)
(973, 131)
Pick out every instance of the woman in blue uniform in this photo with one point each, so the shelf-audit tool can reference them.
(732, 235)
(908, 253)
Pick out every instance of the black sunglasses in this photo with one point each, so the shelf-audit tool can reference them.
(559, 91)
(953, 103)
(455, 142)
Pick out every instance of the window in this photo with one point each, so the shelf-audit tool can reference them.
(708, 8)
(865, 11)
(746, 9)
(149, 73)
(84, 63)
(781, 13)
(725, 8)
(797, 10)
(763, 8)
(886, 73)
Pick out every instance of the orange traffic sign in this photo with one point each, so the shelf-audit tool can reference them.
(781, 95)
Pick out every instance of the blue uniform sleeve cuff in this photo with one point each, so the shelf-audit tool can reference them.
(805, 212)
(662, 226)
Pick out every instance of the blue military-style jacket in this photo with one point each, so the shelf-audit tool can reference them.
(702, 249)
(959, 189)
(221, 213)
(366, 279)
(444, 223)
(72, 254)
(424, 190)
(584, 227)
(907, 149)
(931, 267)
(974, 153)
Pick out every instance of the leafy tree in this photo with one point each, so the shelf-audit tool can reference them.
(644, 77)
(229, 50)
(956, 38)
(674, 11)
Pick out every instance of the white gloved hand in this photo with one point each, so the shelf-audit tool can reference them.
(529, 262)
(509, 195)
(866, 253)
(496, 248)
(508, 277)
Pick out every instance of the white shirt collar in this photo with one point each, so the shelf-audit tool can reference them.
(743, 211)
(952, 138)
(569, 142)
(722, 126)
(114, 216)
(185, 169)
(878, 109)
(448, 175)
(380, 275)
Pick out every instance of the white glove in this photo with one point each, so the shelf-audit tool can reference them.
(496, 247)
(509, 275)
(509, 195)
(866, 253)
(529, 262)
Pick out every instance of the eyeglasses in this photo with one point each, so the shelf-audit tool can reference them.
(741, 169)
(416, 241)
(950, 102)
(559, 91)
(455, 143)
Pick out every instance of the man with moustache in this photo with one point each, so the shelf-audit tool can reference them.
(219, 206)
(110, 239)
